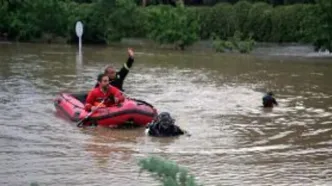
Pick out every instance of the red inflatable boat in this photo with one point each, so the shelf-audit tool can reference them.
(131, 112)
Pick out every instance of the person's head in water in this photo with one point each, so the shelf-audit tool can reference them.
(270, 93)
(103, 81)
(164, 125)
(110, 72)
(165, 120)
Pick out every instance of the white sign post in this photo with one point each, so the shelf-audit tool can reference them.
(79, 60)
(79, 33)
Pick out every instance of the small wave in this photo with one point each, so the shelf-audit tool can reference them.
(324, 53)
(255, 149)
(317, 132)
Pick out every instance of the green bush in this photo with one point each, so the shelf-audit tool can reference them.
(169, 25)
(124, 21)
(259, 22)
(287, 23)
(323, 33)
(3, 17)
(235, 43)
(32, 18)
(242, 9)
(109, 20)
(221, 20)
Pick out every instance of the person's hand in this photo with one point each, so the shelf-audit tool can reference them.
(116, 100)
(130, 52)
(93, 108)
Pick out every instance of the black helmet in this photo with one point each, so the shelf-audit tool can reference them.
(165, 120)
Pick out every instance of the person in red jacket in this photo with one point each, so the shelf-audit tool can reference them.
(104, 91)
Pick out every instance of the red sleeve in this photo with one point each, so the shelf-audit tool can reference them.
(117, 93)
(90, 100)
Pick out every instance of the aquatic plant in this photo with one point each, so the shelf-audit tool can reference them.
(235, 43)
(34, 184)
(167, 172)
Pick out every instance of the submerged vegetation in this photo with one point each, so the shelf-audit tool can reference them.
(232, 26)
(167, 172)
(164, 171)
(234, 43)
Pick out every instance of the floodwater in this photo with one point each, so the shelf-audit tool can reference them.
(216, 97)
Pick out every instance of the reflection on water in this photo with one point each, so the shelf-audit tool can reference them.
(216, 97)
(106, 145)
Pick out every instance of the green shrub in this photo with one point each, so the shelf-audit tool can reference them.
(169, 25)
(111, 20)
(167, 172)
(234, 43)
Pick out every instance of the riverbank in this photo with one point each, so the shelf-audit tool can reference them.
(291, 49)
(204, 46)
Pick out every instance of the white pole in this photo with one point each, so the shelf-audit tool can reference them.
(79, 57)
(79, 33)
(80, 44)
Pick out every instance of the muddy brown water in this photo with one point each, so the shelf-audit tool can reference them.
(216, 97)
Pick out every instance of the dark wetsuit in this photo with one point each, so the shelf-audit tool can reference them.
(163, 126)
(121, 74)
(156, 130)
(269, 101)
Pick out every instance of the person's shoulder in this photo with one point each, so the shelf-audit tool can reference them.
(113, 88)
(178, 130)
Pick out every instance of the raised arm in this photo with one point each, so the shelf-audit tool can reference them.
(126, 66)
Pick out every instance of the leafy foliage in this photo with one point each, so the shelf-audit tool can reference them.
(167, 172)
(172, 25)
(323, 39)
(111, 20)
(234, 43)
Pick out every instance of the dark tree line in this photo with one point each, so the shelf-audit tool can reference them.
(209, 2)
(112, 20)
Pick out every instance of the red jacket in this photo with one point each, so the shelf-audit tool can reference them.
(96, 96)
